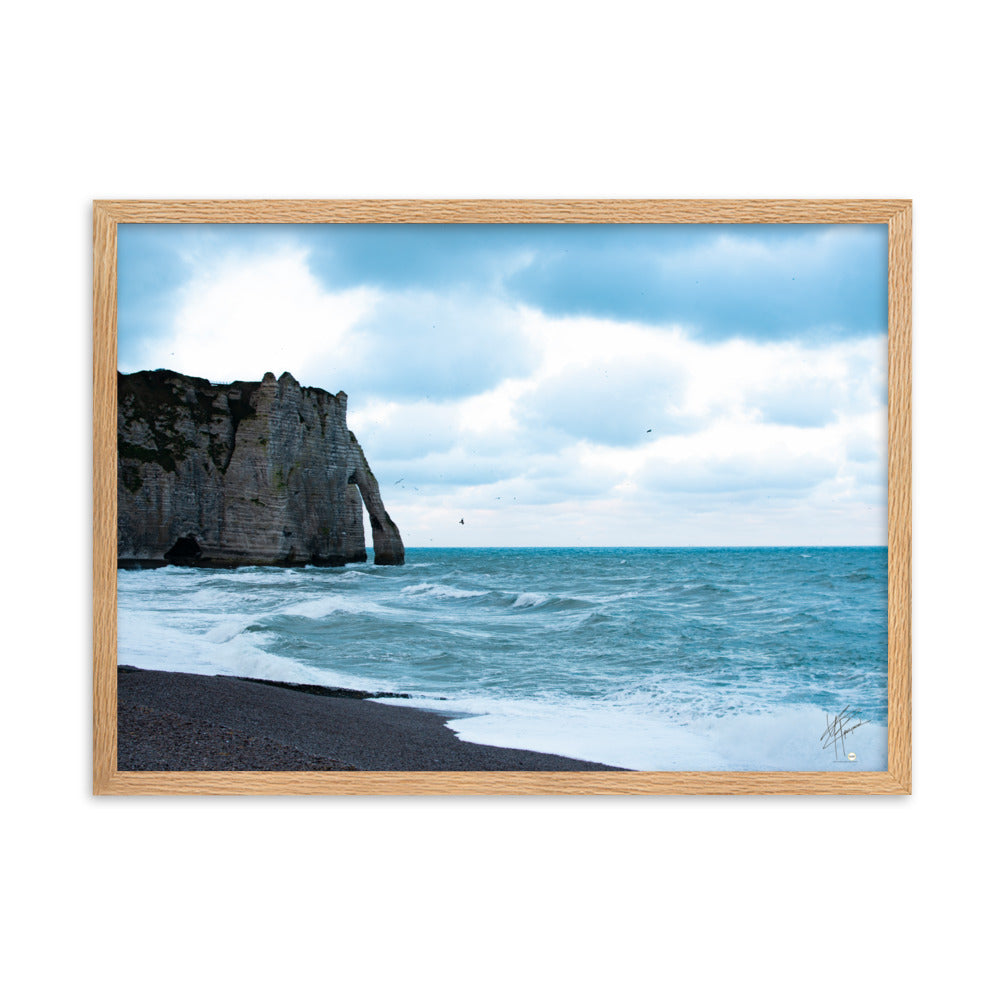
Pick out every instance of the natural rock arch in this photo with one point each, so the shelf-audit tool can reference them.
(249, 473)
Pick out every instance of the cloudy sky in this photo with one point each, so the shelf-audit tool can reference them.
(560, 384)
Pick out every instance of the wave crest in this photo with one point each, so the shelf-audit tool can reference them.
(440, 590)
(529, 600)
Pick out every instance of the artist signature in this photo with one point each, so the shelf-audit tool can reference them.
(837, 729)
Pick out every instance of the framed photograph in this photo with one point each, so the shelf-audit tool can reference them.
(502, 497)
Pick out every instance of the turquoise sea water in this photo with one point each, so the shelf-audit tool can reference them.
(657, 659)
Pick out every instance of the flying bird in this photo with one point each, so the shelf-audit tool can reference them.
(462, 521)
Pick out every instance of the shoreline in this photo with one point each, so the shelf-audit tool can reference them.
(172, 721)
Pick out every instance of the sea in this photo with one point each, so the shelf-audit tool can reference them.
(655, 659)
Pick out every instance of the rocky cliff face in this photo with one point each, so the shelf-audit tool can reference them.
(251, 473)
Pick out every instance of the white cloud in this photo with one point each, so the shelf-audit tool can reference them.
(733, 468)
(246, 316)
(407, 430)
(559, 431)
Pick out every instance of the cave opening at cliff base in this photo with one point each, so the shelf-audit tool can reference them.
(184, 552)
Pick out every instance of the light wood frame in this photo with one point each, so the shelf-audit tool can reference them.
(896, 214)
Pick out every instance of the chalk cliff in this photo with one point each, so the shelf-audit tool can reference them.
(250, 473)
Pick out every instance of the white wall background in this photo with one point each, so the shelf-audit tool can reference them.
(495, 898)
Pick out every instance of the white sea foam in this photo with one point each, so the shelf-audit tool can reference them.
(261, 576)
(440, 590)
(787, 739)
(626, 595)
(323, 607)
(226, 630)
(150, 646)
(157, 647)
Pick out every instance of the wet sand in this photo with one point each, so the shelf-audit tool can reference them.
(188, 722)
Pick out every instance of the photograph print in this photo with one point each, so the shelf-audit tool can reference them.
(502, 497)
